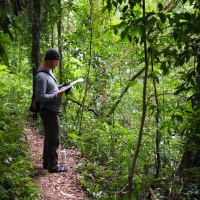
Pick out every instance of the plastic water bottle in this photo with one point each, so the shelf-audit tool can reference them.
(63, 154)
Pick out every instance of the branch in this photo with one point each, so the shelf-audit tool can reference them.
(170, 5)
(153, 194)
(85, 108)
(124, 92)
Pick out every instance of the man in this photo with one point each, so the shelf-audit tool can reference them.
(47, 92)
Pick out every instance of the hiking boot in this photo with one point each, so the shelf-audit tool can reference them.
(60, 169)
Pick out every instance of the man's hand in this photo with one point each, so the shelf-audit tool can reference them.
(60, 93)
(63, 85)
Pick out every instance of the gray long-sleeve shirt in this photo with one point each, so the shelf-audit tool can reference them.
(45, 89)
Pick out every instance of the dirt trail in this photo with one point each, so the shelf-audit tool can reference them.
(55, 186)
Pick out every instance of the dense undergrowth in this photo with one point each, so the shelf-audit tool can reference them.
(104, 170)
(16, 168)
(107, 151)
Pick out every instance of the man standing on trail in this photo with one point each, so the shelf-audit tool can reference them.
(48, 93)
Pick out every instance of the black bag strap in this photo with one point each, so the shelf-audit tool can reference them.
(46, 73)
(33, 96)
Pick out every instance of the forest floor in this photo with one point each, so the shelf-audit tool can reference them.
(54, 186)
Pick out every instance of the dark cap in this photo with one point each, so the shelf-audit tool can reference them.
(52, 54)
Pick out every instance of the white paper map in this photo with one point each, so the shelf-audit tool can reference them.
(71, 84)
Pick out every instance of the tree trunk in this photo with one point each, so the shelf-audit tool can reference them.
(89, 68)
(189, 159)
(35, 54)
(59, 25)
(144, 107)
(158, 134)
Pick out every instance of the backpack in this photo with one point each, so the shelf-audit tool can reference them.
(35, 104)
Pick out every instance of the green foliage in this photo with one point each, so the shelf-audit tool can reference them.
(108, 47)
(99, 180)
(15, 165)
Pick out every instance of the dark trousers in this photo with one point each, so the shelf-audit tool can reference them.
(51, 122)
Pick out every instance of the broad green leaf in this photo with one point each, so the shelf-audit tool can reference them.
(104, 9)
(129, 38)
(73, 136)
(187, 16)
(123, 34)
(190, 26)
(115, 31)
(193, 90)
(160, 6)
(175, 34)
(114, 3)
(109, 5)
(164, 68)
(162, 17)
(120, 1)
(108, 35)
(125, 8)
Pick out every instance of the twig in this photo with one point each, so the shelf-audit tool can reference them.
(153, 194)
(85, 108)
